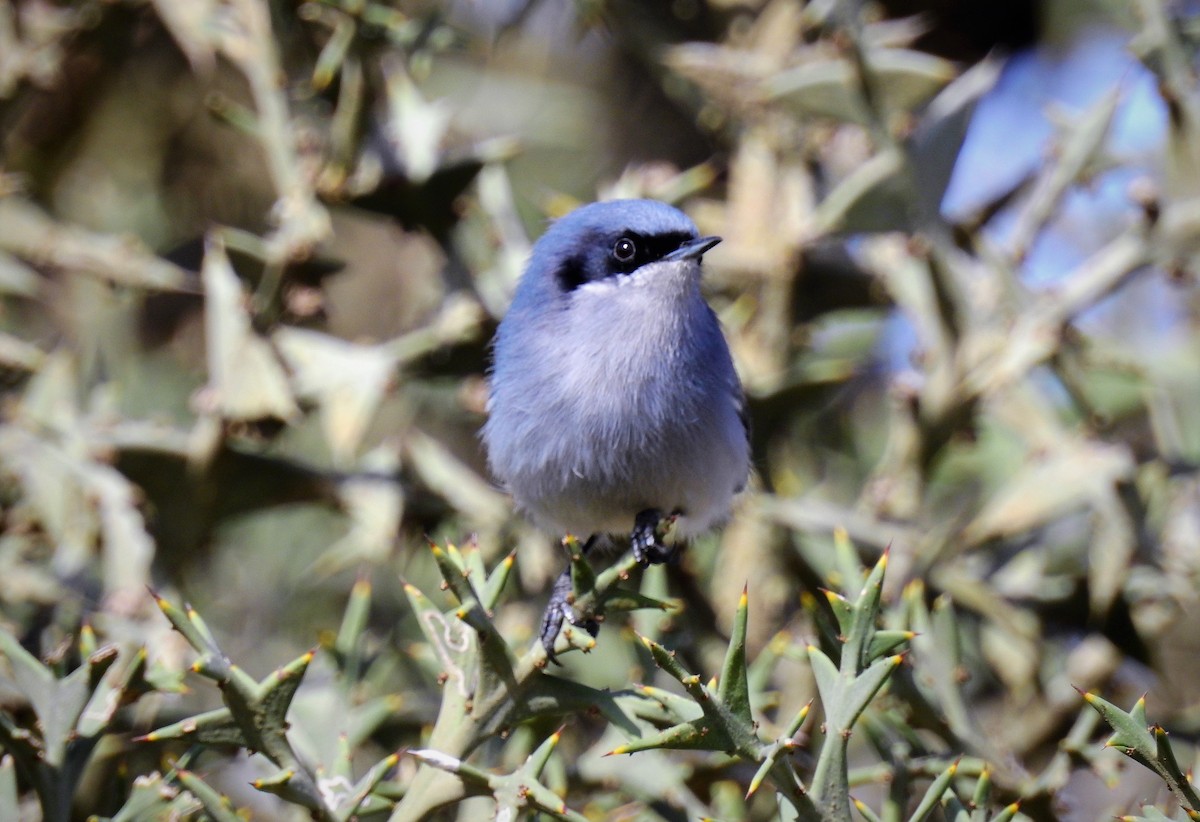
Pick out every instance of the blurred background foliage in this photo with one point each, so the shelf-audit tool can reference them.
(251, 255)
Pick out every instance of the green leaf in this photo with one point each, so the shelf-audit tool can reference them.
(829, 87)
(348, 643)
(153, 798)
(848, 577)
(27, 231)
(1176, 779)
(884, 642)
(983, 789)
(368, 716)
(57, 703)
(497, 580)
(733, 687)
(865, 811)
(953, 809)
(215, 804)
(939, 136)
(668, 706)
(583, 578)
(1007, 812)
(33, 679)
(255, 713)
(246, 379)
(450, 566)
(512, 792)
(353, 803)
(720, 724)
(666, 660)
(472, 561)
(1079, 146)
(933, 795)
(843, 611)
(624, 599)
(551, 697)
(1130, 735)
(113, 689)
(448, 476)
(347, 382)
(189, 624)
(763, 666)
(829, 681)
(866, 612)
(541, 755)
(496, 661)
(781, 747)
(276, 692)
(874, 197)
(373, 502)
(216, 728)
(846, 690)
(1063, 479)
(329, 62)
(287, 785)
(863, 689)
(697, 735)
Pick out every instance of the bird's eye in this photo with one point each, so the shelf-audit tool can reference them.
(624, 251)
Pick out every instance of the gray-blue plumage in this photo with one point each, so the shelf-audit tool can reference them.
(612, 390)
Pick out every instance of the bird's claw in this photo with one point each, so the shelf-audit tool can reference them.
(560, 609)
(648, 549)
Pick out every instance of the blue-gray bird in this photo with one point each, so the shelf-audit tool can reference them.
(614, 402)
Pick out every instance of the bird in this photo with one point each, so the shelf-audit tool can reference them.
(613, 401)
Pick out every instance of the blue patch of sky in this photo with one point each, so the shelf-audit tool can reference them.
(1009, 136)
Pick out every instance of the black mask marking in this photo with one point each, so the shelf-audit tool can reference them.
(572, 273)
(616, 255)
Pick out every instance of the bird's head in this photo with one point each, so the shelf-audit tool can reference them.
(603, 244)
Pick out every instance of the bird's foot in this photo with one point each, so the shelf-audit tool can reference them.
(560, 609)
(648, 549)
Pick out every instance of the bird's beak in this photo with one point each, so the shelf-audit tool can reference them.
(693, 249)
